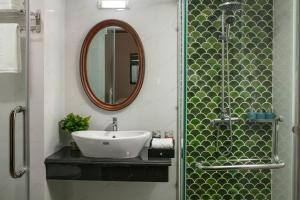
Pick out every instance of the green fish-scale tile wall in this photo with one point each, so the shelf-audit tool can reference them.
(250, 58)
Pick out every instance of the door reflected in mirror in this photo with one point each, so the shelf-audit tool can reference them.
(112, 64)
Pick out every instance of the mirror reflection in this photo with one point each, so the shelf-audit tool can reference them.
(112, 65)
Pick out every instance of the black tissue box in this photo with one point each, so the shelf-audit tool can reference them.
(161, 153)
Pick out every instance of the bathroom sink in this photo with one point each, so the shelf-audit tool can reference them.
(111, 144)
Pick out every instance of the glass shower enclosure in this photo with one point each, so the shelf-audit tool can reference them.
(13, 101)
(241, 99)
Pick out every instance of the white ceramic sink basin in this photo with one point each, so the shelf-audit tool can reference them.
(111, 144)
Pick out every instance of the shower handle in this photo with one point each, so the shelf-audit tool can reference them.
(12, 130)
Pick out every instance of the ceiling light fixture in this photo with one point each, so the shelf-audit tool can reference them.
(113, 4)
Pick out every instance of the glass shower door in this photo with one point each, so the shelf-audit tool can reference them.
(13, 104)
(250, 46)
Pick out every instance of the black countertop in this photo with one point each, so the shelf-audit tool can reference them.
(67, 164)
(67, 156)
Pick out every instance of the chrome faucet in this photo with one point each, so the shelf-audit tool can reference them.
(115, 124)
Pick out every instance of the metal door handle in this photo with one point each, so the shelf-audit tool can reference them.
(295, 130)
(15, 173)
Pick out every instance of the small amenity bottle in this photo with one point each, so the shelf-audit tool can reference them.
(260, 115)
(270, 114)
(251, 115)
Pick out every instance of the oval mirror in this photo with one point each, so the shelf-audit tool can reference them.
(112, 65)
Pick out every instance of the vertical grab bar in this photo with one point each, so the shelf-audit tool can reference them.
(275, 145)
(12, 122)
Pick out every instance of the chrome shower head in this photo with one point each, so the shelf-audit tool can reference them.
(231, 6)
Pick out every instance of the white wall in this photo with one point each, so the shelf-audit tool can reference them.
(54, 80)
(36, 105)
(46, 83)
(154, 108)
(284, 92)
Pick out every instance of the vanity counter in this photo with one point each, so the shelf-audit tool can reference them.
(72, 165)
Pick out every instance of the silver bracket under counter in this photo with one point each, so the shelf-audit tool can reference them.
(35, 22)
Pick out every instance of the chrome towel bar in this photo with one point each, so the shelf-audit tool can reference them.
(18, 16)
(276, 162)
(250, 166)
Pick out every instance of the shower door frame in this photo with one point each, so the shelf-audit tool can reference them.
(22, 17)
(26, 153)
(182, 75)
(297, 125)
(27, 113)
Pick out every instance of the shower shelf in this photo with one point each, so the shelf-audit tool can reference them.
(261, 121)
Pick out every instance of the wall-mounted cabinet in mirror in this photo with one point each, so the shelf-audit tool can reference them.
(112, 65)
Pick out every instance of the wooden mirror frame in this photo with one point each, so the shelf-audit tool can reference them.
(83, 64)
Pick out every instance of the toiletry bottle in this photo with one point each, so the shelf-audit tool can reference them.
(169, 134)
(269, 113)
(260, 115)
(251, 115)
(156, 134)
